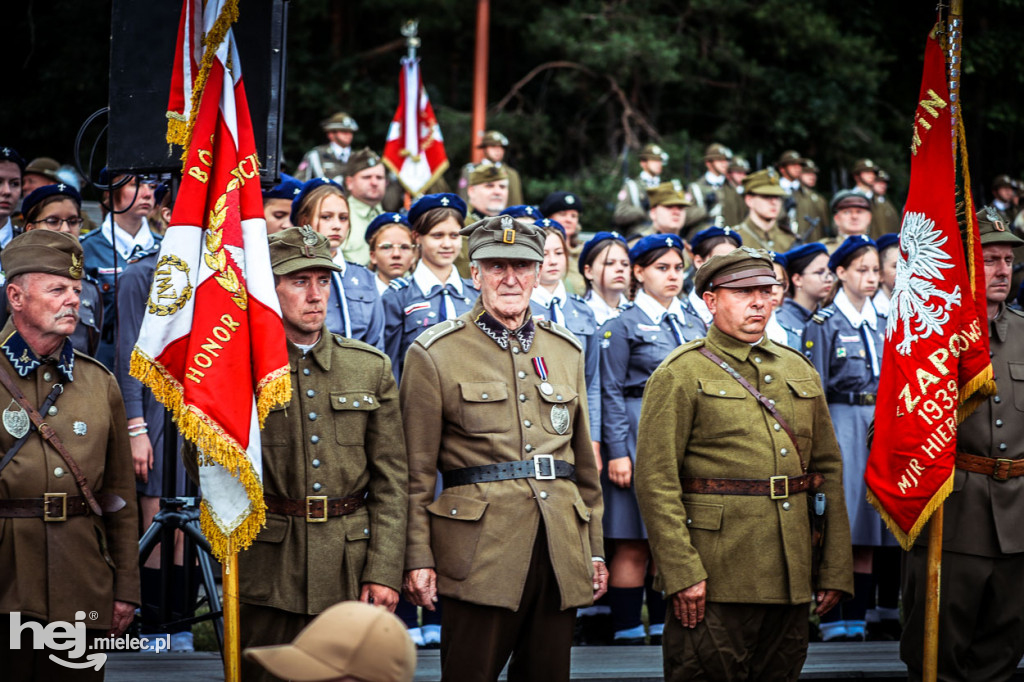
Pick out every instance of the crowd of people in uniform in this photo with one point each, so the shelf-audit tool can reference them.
(629, 301)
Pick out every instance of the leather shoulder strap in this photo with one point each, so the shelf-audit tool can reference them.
(765, 402)
(50, 400)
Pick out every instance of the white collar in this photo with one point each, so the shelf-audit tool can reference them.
(774, 331)
(6, 233)
(789, 185)
(868, 315)
(426, 280)
(339, 260)
(655, 310)
(1000, 204)
(700, 306)
(602, 311)
(714, 179)
(339, 151)
(866, 192)
(648, 179)
(126, 243)
(881, 301)
(382, 286)
(543, 296)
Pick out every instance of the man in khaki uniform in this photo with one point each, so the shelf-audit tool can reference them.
(632, 207)
(851, 215)
(734, 209)
(804, 212)
(724, 489)
(981, 633)
(67, 544)
(328, 160)
(488, 196)
(496, 402)
(495, 146)
(334, 467)
(883, 215)
(711, 193)
(761, 229)
(365, 181)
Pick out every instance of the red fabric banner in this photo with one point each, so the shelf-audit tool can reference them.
(414, 150)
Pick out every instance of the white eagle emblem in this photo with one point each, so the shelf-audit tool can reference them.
(917, 271)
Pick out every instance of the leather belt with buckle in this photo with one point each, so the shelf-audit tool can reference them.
(776, 487)
(541, 468)
(56, 506)
(851, 398)
(315, 508)
(999, 469)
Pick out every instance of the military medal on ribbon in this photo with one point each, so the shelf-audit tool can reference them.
(559, 412)
(16, 421)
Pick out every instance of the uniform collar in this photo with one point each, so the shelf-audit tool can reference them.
(499, 333)
(426, 280)
(6, 233)
(1000, 326)
(126, 244)
(655, 310)
(736, 348)
(363, 210)
(699, 306)
(868, 315)
(648, 179)
(320, 352)
(714, 179)
(339, 260)
(804, 313)
(789, 185)
(24, 360)
(543, 296)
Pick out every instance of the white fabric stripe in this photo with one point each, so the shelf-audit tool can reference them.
(224, 493)
(411, 70)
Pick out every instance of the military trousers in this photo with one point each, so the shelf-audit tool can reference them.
(736, 643)
(981, 615)
(477, 640)
(266, 626)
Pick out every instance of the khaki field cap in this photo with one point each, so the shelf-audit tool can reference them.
(299, 248)
(504, 237)
(811, 167)
(492, 138)
(340, 121)
(790, 156)
(44, 166)
(45, 251)
(717, 152)
(864, 165)
(990, 226)
(652, 152)
(350, 639)
(744, 267)
(667, 194)
(487, 172)
(360, 161)
(764, 183)
(1000, 180)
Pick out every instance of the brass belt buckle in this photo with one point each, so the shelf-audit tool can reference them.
(311, 516)
(51, 497)
(544, 467)
(785, 487)
(869, 399)
(1001, 469)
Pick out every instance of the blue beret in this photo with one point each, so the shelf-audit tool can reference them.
(45, 192)
(655, 241)
(548, 222)
(431, 201)
(523, 211)
(288, 188)
(599, 238)
(887, 240)
(160, 192)
(383, 220)
(716, 232)
(304, 192)
(847, 248)
(9, 154)
(799, 257)
(560, 201)
(779, 258)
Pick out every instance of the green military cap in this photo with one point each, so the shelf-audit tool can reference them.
(492, 138)
(299, 248)
(1000, 180)
(811, 167)
(738, 163)
(487, 172)
(849, 198)
(340, 121)
(668, 194)
(990, 226)
(763, 183)
(652, 152)
(44, 166)
(862, 165)
(45, 251)
(361, 160)
(504, 237)
(717, 152)
(788, 157)
(741, 268)
(882, 175)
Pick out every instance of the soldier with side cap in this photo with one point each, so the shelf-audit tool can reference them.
(328, 160)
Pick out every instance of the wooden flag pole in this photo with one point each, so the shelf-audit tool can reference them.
(229, 604)
(483, 24)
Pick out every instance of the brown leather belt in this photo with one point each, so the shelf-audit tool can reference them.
(999, 469)
(56, 506)
(776, 487)
(315, 508)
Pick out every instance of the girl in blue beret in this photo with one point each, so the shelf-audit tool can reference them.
(604, 264)
(714, 241)
(844, 340)
(810, 284)
(354, 309)
(392, 249)
(632, 346)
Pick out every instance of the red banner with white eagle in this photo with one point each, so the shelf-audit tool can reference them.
(414, 150)
(936, 348)
(212, 346)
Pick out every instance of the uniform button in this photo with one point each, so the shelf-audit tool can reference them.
(454, 512)
(689, 522)
(785, 505)
(757, 360)
(1002, 446)
(314, 439)
(355, 403)
(312, 416)
(997, 399)
(516, 351)
(58, 472)
(558, 397)
(52, 411)
(529, 448)
(343, 400)
(484, 396)
(310, 393)
(721, 393)
(783, 452)
(315, 463)
(306, 371)
(776, 427)
(366, 531)
(316, 487)
(543, 494)
(47, 376)
(527, 423)
(522, 397)
(999, 422)
(767, 378)
(521, 375)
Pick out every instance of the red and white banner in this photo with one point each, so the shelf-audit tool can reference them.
(414, 150)
(188, 55)
(936, 348)
(212, 346)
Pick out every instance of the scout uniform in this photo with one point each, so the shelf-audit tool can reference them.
(981, 636)
(602, 311)
(791, 315)
(765, 183)
(328, 160)
(881, 299)
(700, 429)
(57, 555)
(502, 415)
(710, 194)
(380, 222)
(493, 138)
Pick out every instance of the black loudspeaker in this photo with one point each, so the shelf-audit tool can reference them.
(142, 41)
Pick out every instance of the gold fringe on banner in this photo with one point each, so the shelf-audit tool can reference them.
(907, 539)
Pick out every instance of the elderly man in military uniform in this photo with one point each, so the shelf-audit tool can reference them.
(68, 518)
(735, 444)
(334, 466)
(763, 195)
(804, 212)
(365, 182)
(328, 160)
(711, 192)
(495, 148)
(496, 402)
(981, 631)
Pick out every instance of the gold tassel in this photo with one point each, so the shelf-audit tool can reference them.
(907, 539)
(275, 389)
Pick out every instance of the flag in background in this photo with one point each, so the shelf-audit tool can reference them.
(414, 150)
(188, 55)
(212, 346)
(936, 348)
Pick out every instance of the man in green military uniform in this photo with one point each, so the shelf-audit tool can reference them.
(884, 218)
(981, 634)
(334, 467)
(724, 479)
(488, 196)
(328, 160)
(804, 212)
(668, 208)
(496, 402)
(365, 182)
(734, 209)
(631, 209)
(495, 148)
(711, 193)
(851, 216)
(1005, 199)
(68, 520)
(763, 196)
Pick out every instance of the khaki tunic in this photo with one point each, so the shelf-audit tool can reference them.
(468, 402)
(697, 421)
(884, 217)
(53, 569)
(812, 215)
(776, 239)
(515, 185)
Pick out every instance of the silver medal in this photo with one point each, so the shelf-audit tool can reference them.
(79, 428)
(560, 418)
(16, 421)
(546, 389)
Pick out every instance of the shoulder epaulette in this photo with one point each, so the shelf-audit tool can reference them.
(823, 314)
(685, 348)
(558, 329)
(577, 297)
(438, 330)
(469, 283)
(81, 356)
(356, 344)
(136, 256)
(90, 233)
(399, 283)
(1015, 311)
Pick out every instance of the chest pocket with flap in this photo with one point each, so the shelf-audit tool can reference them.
(558, 408)
(485, 407)
(351, 411)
